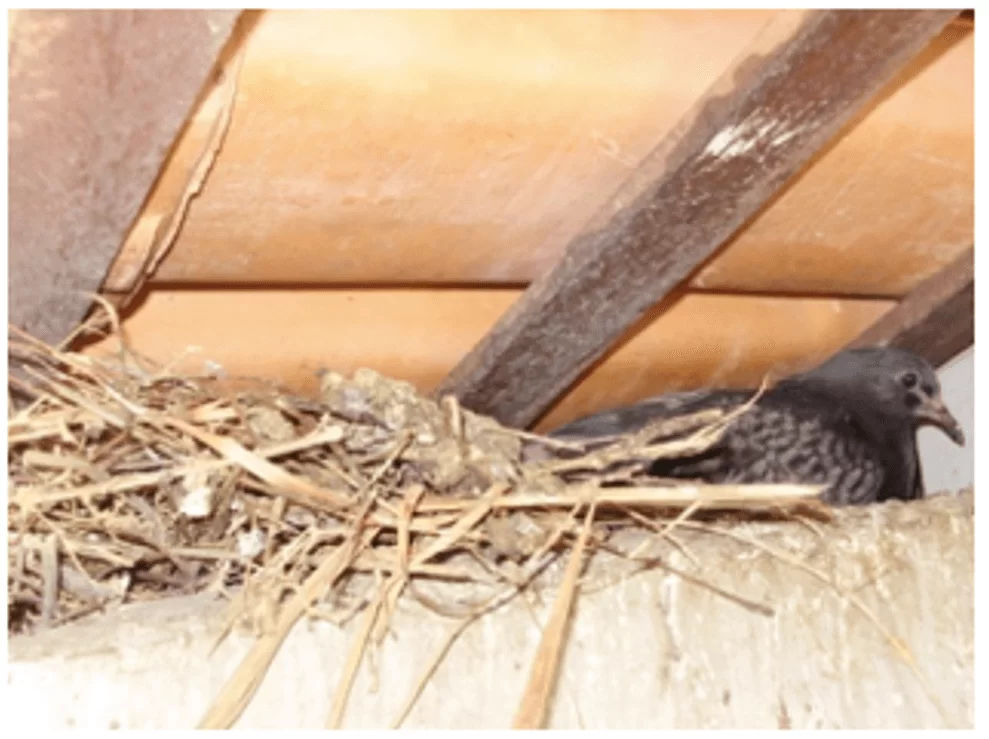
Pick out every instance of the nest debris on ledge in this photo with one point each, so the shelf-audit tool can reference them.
(128, 484)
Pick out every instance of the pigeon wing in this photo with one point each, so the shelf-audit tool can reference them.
(634, 417)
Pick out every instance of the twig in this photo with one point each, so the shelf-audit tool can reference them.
(538, 693)
(240, 688)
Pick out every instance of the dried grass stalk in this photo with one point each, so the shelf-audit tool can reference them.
(538, 693)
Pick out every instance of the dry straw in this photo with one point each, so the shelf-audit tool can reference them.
(129, 483)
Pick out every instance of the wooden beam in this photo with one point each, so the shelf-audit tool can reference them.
(937, 320)
(801, 81)
(96, 99)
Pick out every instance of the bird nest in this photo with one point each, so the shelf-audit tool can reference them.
(131, 483)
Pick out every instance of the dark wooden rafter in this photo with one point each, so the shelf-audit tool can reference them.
(799, 83)
(97, 98)
(936, 320)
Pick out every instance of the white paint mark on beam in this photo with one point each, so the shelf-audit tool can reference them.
(737, 139)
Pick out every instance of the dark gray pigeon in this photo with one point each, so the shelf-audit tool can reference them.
(850, 424)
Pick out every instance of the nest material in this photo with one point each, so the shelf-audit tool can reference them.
(128, 484)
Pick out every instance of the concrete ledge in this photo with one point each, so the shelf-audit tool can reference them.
(652, 651)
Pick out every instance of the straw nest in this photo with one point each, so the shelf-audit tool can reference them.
(128, 482)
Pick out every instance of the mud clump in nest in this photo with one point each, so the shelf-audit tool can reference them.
(449, 448)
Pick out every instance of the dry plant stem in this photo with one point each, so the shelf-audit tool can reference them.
(406, 512)
(648, 563)
(29, 496)
(124, 352)
(653, 526)
(638, 446)
(72, 555)
(431, 668)
(49, 565)
(722, 497)
(475, 515)
(236, 694)
(667, 529)
(296, 488)
(356, 653)
(538, 693)
(390, 590)
(409, 502)
(538, 562)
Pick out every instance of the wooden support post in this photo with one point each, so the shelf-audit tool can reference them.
(96, 99)
(936, 320)
(800, 83)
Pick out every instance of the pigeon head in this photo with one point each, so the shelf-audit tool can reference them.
(901, 384)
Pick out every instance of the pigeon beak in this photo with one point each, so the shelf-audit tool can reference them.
(934, 412)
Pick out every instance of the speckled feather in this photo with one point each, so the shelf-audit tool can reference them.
(832, 427)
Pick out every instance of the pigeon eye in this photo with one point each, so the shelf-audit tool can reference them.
(909, 379)
(927, 390)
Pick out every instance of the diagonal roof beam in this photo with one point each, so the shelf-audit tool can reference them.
(798, 84)
(97, 98)
(936, 320)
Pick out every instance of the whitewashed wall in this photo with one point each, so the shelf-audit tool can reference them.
(947, 466)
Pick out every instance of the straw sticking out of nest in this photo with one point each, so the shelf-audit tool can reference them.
(131, 485)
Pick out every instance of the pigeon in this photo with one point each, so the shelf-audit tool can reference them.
(850, 425)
